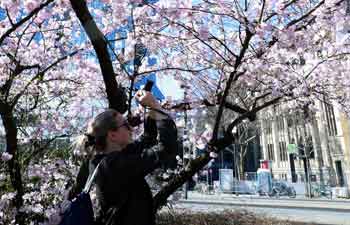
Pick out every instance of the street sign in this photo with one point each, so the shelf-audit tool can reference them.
(226, 180)
(264, 180)
(292, 148)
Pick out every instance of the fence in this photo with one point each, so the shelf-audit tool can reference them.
(241, 187)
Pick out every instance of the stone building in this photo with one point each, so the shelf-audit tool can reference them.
(321, 143)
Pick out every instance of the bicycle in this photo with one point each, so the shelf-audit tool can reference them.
(318, 190)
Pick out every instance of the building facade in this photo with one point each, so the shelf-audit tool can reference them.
(320, 142)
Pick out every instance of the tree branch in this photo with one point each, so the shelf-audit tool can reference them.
(173, 68)
(233, 77)
(250, 113)
(291, 23)
(25, 19)
(41, 149)
(115, 94)
(195, 165)
(40, 74)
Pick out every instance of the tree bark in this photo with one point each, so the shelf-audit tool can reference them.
(242, 158)
(160, 199)
(241, 163)
(189, 171)
(115, 94)
(13, 164)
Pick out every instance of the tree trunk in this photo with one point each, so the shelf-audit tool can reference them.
(13, 164)
(241, 166)
(160, 199)
(243, 153)
(191, 169)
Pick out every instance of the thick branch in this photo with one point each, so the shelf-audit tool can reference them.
(195, 165)
(115, 94)
(260, 97)
(250, 113)
(160, 199)
(233, 77)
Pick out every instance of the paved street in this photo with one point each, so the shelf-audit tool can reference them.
(285, 202)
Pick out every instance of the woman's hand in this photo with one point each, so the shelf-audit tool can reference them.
(146, 99)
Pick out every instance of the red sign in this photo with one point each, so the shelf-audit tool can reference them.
(264, 164)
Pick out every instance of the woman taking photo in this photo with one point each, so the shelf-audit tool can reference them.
(124, 196)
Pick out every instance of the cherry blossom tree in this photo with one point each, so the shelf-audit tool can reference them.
(271, 51)
(44, 82)
(260, 53)
(237, 57)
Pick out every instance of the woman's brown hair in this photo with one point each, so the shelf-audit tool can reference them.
(95, 137)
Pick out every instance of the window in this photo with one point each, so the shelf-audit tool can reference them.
(331, 124)
(340, 175)
(282, 146)
(283, 151)
(268, 127)
(270, 152)
(290, 121)
(280, 123)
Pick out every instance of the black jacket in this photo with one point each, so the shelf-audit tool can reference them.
(121, 181)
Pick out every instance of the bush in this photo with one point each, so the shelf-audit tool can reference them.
(241, 217)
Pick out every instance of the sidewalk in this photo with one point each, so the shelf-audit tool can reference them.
(265, 202)
(195, 194)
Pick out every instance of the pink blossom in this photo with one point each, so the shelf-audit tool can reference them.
(30, 5)
(6, 156)
(204, 32)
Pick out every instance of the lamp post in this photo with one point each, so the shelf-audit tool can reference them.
(186, 150)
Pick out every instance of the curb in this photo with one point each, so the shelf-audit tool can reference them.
(263, 205)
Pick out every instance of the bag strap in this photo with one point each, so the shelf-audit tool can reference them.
(91, 179)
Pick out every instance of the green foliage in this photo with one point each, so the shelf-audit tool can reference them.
(5, 186)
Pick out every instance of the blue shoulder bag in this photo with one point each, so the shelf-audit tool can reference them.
(80, 210)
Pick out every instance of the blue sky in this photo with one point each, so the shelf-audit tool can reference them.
(166, 85)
